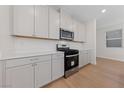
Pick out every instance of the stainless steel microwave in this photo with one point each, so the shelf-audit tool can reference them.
(66, 35)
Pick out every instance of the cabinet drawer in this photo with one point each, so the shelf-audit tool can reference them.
(58, 56)
(23, 61)
(83, 52)
(40, 58)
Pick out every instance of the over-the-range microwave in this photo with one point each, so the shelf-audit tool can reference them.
(66, 35)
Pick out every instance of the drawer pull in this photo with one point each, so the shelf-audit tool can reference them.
(34, 59)
(34, 64)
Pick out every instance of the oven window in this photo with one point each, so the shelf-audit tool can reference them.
(71, 62)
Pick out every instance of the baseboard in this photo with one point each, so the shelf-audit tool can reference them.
(84, 66)
(52, 82)
(114, 59)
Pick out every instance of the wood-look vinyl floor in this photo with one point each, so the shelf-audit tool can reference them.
(105, 74)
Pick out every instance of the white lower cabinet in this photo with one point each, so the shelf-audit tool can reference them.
(84, 58)
(89, 56)
(42, 73)
(65, 21)
(79, 31)
(0, 74)
(33, 71)
(57, 68)
(20, 77)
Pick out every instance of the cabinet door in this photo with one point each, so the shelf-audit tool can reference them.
(75, 30)
(41, 21)
(83, 58)
(90, 56)
(42, 73)
(82, 32)
(20, 77)
(0, 74)
(66, 21)
(23, 18)
(79, 31)
(53, 24)
(57, 68)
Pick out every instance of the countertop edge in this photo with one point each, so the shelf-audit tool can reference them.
(30, 55)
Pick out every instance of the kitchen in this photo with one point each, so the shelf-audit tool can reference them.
(29, 36)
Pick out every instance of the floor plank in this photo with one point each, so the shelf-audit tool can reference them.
(106, 74)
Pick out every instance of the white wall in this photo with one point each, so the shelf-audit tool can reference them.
(91, 38)
(101, 50)
(24, 45)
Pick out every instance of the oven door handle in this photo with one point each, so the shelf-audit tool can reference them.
(72, 55)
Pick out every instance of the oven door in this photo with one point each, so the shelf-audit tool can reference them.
(71, 61)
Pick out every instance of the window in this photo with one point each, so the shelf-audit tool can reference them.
(114, 38)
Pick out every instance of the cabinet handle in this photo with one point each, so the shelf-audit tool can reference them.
(34, 64)
(34, 59)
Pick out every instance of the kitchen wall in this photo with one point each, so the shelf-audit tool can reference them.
(101, 50)
(10, 45)
(23, 45)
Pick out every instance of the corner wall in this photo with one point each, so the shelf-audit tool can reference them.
(111, 53)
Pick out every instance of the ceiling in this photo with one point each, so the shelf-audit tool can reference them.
(85, 13)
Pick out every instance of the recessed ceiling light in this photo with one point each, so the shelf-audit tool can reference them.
(103, 10)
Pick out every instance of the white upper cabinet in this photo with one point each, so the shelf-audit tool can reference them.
(66, 21)
(79, 31)
(41, 21)
(53, 23)
(44, 22)
(75, 27)
(82, 32)
(23, 20)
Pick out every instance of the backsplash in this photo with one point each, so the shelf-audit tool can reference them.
(24, 45)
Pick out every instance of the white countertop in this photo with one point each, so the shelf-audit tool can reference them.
(84, 49)
(23, 55)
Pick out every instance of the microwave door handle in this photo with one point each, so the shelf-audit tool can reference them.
(73, 35)
(60, 33)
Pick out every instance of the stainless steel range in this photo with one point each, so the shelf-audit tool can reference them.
(71, 64)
